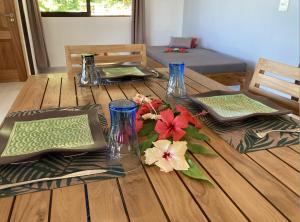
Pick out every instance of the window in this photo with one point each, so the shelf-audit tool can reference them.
(63, 8)
(110, 7)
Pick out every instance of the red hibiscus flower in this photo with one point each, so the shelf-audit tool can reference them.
(144, 109)
(138, 125)
(168, 126)
(182, 50)
(148, 107)
(191, 119)
(168, 49)
(138, 122)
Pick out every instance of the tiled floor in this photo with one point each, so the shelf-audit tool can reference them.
(8, 93)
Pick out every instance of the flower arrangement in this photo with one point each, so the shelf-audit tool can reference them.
(178, 50)
(166, 134)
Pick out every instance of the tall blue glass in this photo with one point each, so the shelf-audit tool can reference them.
(123, 140)
(176, 86)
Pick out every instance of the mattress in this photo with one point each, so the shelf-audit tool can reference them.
(199, 59)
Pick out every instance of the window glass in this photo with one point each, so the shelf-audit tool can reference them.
(110, 7)
(63, 5)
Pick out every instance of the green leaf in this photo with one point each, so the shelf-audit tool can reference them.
(195, 173)
(147, 128)
(148, 143)
(193, 132)
(199, 149)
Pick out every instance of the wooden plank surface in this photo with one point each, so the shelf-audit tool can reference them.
(266, 179)
(68, 94)
(73, 197)
(288, 156)
(278, 169)
(230, 179)
(52, 94)
(31, 95)
(279, 195)
(213, 199)
(31, 207)
(296, 148)
(105, 202)
(68, 204)
(25, 207)
(6, 205)
(186, 208)
(202, 193)
(139, 207)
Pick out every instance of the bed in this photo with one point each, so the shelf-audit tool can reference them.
(199, 59)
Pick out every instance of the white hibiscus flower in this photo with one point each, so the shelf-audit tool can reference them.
(167, 156)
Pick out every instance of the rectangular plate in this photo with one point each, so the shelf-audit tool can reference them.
(226, 106)
(12, 148)
(118, 72)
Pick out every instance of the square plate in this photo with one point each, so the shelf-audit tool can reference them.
(118, 72)
(226, 106)
(28, 137)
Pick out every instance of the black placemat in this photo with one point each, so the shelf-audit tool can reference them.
(241, 134)
(53, 165)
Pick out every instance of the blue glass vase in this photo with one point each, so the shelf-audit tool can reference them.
(176, 86)
(123, 140)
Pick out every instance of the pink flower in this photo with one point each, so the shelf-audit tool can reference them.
(203, 113)
(170, 126)
(191, 119)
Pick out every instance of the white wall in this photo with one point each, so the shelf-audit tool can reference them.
(164, 18)
(83, 30)
(245, 29)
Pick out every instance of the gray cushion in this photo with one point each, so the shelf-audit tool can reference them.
(199, 59)
(177, 42)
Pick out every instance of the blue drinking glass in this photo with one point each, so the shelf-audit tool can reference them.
(176, 86)
(123, 140)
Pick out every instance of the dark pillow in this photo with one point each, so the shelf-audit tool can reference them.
(176, 42)
(194, 43)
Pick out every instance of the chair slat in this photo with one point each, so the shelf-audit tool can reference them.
(280, 85)
(260, 78)
(78, 49)
(279, 68)
(110, 59)
(116, 54)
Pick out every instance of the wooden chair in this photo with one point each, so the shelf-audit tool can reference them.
(106, 54)
(270, 75)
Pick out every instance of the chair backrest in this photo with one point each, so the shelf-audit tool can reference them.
(106, 54)
(277, 81)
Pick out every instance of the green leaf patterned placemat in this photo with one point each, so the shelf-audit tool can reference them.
(241, 134)
(54, 133)
(122, 72)
(53, 165)
(235, 105)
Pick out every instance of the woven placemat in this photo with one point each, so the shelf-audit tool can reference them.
(107, 82)
(55, 165)
(241, 135)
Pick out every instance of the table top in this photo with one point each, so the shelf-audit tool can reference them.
(258, 186)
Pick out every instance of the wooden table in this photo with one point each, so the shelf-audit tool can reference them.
(259, 186)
